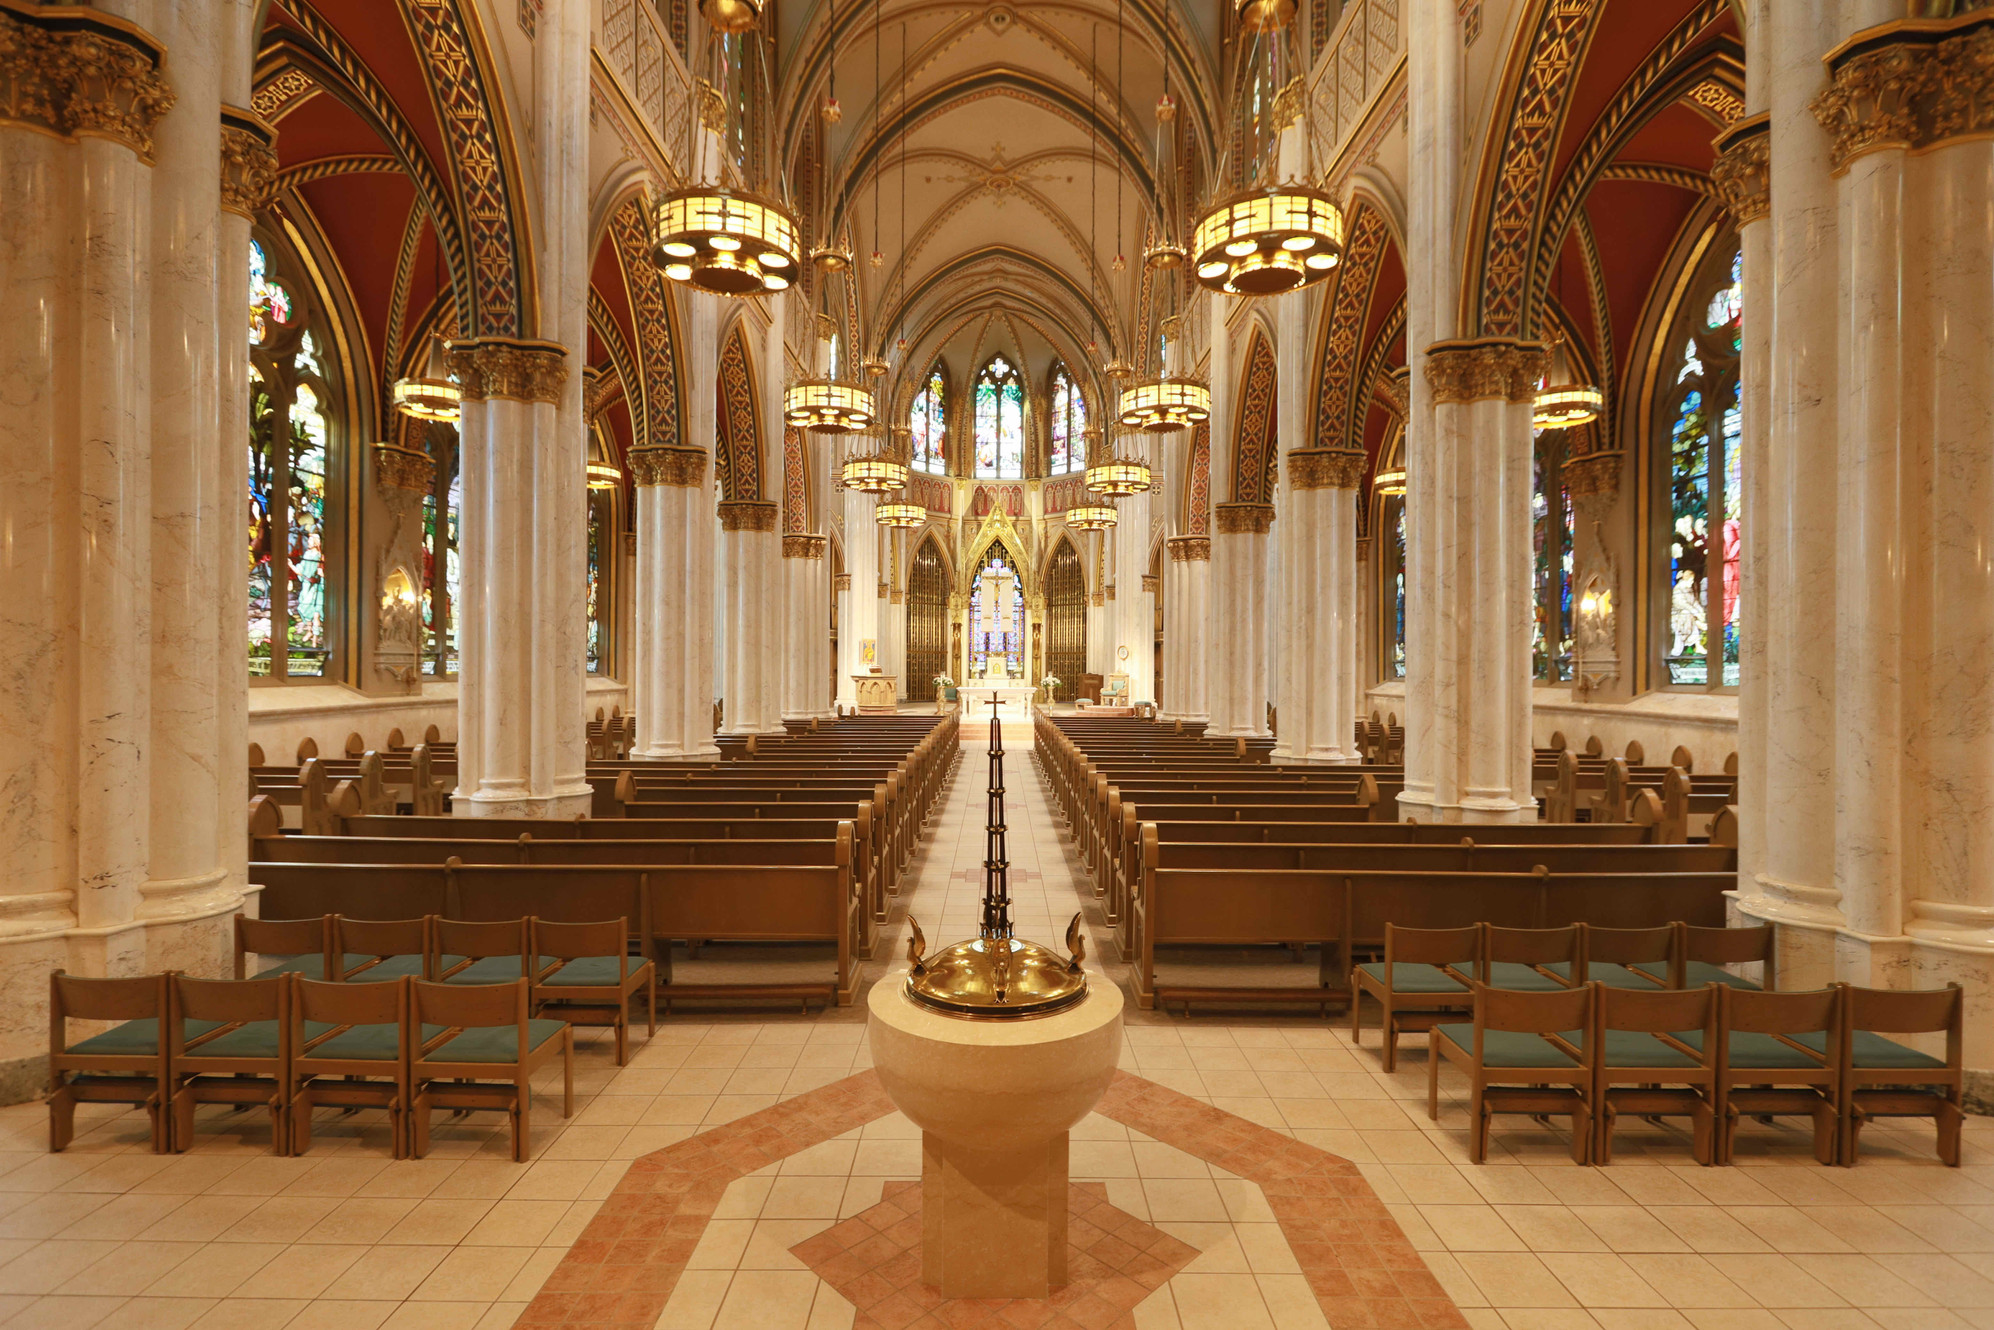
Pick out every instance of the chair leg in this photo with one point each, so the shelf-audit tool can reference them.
(522, 1122)
(1482, 1115)
(299, 1128)
(568, 1072)
(182, 1110)
(1388, 1029)
(651, 991)
(1356, 995)
(1852, 1121)
(1702, 1122)
(1950, 1122)
(1433, 1079)
(1826, 1125)
(622, 1033)
(418, 1128)
(1602, 1134)
(1727, 1134)
(61, 1119)
(1582, 1134)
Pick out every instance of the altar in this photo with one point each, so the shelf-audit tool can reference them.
(982, 694)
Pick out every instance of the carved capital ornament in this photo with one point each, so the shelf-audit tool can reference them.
(1484, 369)
(804, 546)
(1911, 84)
(75, 73)
(1326, 468)
(510, 368)
(678, 466)
(1189, 549)
(1594, 473)
(403, 468)
(748, 515)
(249, 161)
(1243, 519)
(1743, 169)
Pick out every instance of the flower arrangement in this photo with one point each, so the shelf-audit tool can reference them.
(942, 681)
(1050, 682)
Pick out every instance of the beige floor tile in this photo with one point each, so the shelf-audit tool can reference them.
(1688, 1280)
(1776, 1281)
(1470, 1228)
(1546, 1318)
(434, 1222)
(65, 1313)
(128, 1270)
(435, 1316)
(1785, 1228)
(1602, 1280)
(1220, 1302)
(1863, 1281)
(1510, 1279)
(301, 1271)
(1866, 1229)
(335, 1314)
(387, 1274)
(768, 1245)
(775, 1299)
(1550, 1228)
(1628, 1228)
(472, 1274)
(804, 1198)
(1185, 1200)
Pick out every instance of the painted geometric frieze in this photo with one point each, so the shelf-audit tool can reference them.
(1198, 506)
(463, 106)
(795, 492)
(1254, 455)
(282, 92)
(1909, 85)
(1529, 140)
(650, 310)
(741, 477)
(80, 73)
(1335, 401)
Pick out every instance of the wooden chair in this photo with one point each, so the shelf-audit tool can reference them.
(306, 943)
(484, 952)
(1643, 1066)
(1615, 956)
(1702, 954)
(1427, 975)
(351, 1048)
(594, 976)
(479, 1050)
(241, 1054)
(377, 951)
(1883, 1078)
(1776, 1055)
(1525, 1052)
(1523, 958)
(126, 1064)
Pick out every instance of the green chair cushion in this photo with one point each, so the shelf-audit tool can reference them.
(311, 967)
(252, 1039)
(1751, 1049)
(362, 1043)
(1637, 1048)
(1518, 976)
(488, 969)
(390, 968)
(134, 1039)
(493, 1043)
(590, 972)
(1874, 1052)
(1696, 974)
(1612, 974)
(1509, 1048)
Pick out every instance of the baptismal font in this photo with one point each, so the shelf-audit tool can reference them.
(995, 1047)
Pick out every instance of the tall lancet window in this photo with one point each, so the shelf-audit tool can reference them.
(1000, 421)
(1551, 547)
(290, 464)
(929, 423)
(1068, 451)
(1704, 532)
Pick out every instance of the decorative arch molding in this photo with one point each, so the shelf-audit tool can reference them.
(998, 529)
(1337, 414)
(656, 329)
(795, 484)
(602, 322)
(1255, 459)
(486, 172)
(1551, 44)
(740, 463)
(1198, 482)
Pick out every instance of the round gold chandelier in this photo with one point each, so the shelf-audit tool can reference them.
(1564, 401)
(432, 394)
(897, 512)
(1389, 482)
(873, 470)
(1165, 404)
(604, 476)
(1119, 476)
(827, 406)
(1092, 516)
(726, 242)
(1267, 241)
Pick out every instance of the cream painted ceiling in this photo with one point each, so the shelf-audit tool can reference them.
(1015, 147)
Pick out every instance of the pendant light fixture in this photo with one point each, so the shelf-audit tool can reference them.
(604, 475)
(733, 233)
(1094, 515)
(1564, 401)
(432, 394)
(873, 468)
(1389, 482)
(1119, 475)
(1273, 233)
(1162, 404)
(895, 511)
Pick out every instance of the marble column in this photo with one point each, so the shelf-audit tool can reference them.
(1470, 680)
(1878, 856)
(859, 603)
(751, 686)
(806, 659)
(521, 689)
(1186, 597)
(673, 652)
(1236, 691)
(123, 375)
(1132, 613)
(1318, 629)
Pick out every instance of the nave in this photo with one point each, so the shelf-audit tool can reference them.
(224, 1235)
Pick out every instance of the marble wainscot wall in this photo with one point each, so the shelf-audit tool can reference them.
(281, 717)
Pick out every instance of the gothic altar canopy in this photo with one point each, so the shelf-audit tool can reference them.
(997, 618)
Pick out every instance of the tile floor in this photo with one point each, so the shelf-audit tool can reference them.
(227, 1235)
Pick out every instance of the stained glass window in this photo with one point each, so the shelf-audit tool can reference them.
(1069, 423)
(929, 423)
(289, 473)
(1395, 591)
(1705, 486)
(1551, 549)
(597, 535)
(997, 617)
(439, 561)
(1000, 421)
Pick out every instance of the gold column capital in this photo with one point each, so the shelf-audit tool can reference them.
(1743, 169)
(399, 468)
(1911, 84)
(1480, 369)
(1594, 473)
(674, 465)
(748, 515)
(76, 72)
(804, 546)
(513, 368)
(1243, 519)
(249, 161)
(1326, 468)
(1189, 549)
